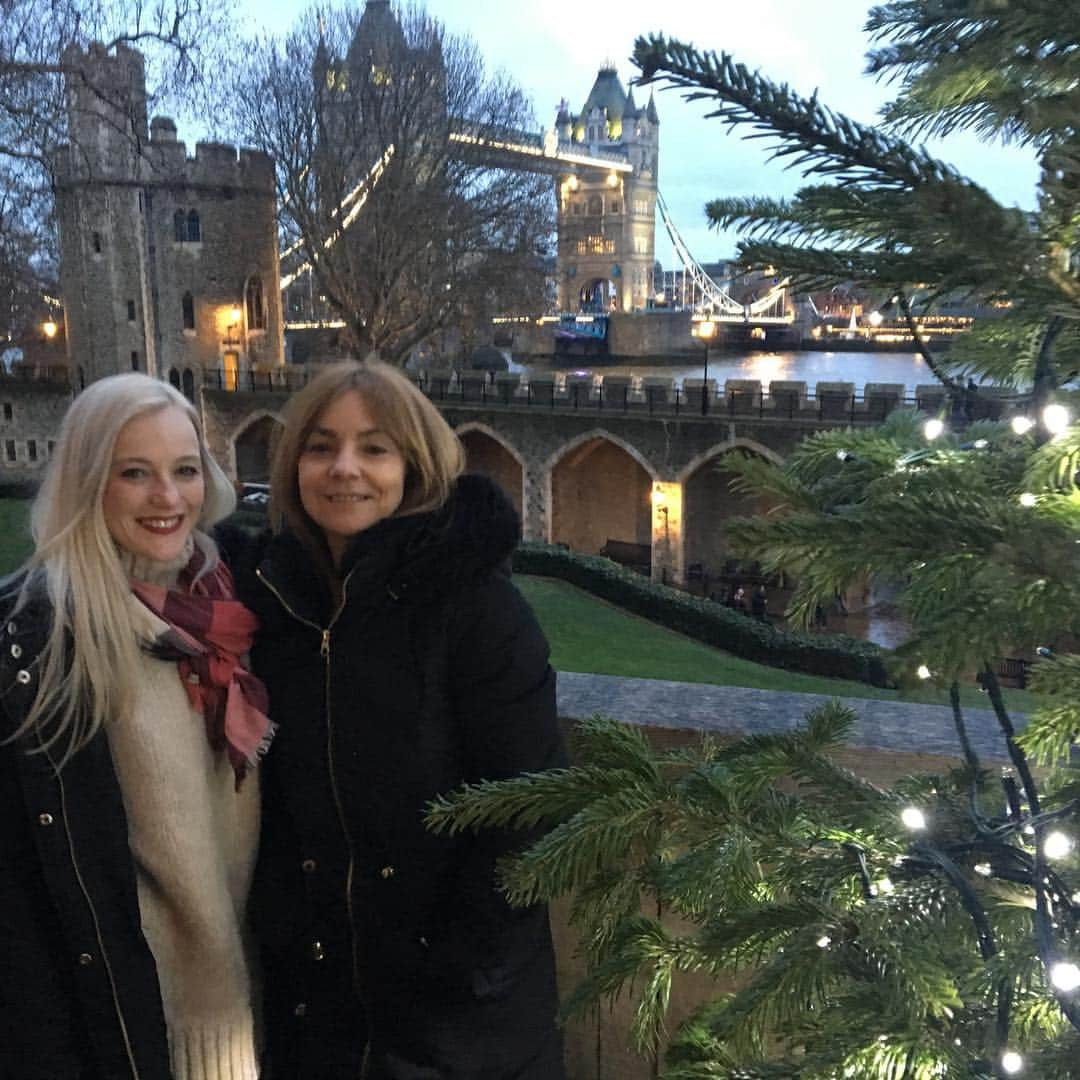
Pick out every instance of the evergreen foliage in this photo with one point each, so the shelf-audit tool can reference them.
(866, 940)
(892, 218)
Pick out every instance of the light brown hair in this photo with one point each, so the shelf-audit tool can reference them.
(433, 454)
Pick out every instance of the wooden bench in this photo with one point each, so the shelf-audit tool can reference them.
(633, 556)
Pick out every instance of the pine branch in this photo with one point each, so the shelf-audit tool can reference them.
(805, 133)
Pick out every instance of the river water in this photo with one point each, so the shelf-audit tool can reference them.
(809, 367)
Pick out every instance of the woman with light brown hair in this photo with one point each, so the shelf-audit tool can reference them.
(401, 662)
(129, 727)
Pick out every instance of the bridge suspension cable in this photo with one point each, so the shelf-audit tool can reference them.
(770, 307)
(352, 203)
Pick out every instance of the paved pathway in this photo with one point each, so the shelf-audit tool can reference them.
(885, 725)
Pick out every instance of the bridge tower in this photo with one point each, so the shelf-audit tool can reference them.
(168, 263)
(607, 222)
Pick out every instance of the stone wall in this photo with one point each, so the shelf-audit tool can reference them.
(30, 415)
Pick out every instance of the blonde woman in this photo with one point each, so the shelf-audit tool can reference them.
(128, 730)
(401, 662)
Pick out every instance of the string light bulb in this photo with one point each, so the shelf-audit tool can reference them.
(1011, 1062)
(1027, 499)
(1057, 845)
(1021, 425)
(1055, 418)
(1065, 977)
(913, 818)
(824, 941)
(933, 428)
(923, 671)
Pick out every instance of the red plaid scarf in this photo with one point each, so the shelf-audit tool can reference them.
(209, 630)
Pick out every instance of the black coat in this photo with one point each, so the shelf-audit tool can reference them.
(79, 996)
(432, 673)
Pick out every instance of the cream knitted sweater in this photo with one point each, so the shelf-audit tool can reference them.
(193, 838)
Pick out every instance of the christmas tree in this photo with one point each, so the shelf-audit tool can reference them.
(932, 928)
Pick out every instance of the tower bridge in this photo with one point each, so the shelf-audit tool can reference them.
(170, 262)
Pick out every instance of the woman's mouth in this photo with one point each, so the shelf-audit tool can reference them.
(162, 526)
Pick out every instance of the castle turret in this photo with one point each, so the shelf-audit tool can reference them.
(169, 264)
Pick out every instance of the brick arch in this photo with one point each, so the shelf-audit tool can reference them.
(598, 433)
(499, 459)
(598, 489)
(244, 451)
(720, 449)
(708, 504)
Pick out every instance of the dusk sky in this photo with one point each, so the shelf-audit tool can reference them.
(554, 49)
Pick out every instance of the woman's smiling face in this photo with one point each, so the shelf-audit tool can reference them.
(155, 491)
(351, 474)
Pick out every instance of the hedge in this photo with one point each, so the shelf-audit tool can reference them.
(836, 656)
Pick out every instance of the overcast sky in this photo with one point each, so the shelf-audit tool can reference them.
(554, 49)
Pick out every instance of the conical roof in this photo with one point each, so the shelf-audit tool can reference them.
(378, 36)
(607, 95)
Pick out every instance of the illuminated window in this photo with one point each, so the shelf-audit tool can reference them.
(595, 245)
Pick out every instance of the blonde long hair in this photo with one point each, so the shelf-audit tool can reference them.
(434, 457)
(92, 644)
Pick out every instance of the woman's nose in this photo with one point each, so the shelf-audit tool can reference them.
(345, 463)
(165, 490)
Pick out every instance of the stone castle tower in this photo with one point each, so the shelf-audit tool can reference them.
(169, 263)
(607, 223)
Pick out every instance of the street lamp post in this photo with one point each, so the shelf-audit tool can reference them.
(706, 331)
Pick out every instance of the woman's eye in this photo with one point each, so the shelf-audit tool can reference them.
(317, 448)
(133, 473)
(374, 450)
(189, 472)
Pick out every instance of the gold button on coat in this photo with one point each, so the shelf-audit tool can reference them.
(45, 819)
(386, 872)
(85, 959)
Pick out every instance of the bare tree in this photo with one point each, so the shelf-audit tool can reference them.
(39, 40)
(400, 221)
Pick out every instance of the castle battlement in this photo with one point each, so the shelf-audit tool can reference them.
(212, 165)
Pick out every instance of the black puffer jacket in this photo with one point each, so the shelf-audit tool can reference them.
(432, 673)
(79, 996)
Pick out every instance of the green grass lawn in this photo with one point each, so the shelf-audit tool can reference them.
(590, 635)
(14, 533)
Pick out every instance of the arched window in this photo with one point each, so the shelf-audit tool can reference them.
(194, 234)
(188, 385)
(188, 303)
(179, 226)
(256, 308)
(174, 377)
(596, 204)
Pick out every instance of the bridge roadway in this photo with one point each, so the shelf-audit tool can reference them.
(540, 442)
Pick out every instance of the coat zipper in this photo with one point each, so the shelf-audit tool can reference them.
(93, 915)
(324, 652)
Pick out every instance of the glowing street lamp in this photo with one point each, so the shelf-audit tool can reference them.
(706, 331)
(50, 329)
